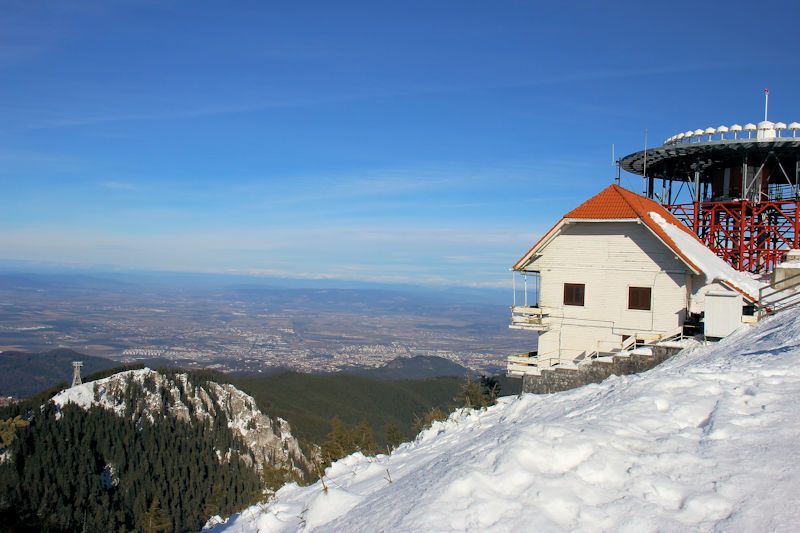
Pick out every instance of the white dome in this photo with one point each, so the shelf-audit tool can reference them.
(736, 127)
(688, 134)
(680, 136)
(794, 126)
(710, 131)
(750, 127)
(698, 132)
(765, 125)
(722, 129)
(780, 125)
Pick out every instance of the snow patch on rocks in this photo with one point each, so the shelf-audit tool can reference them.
(270, 440)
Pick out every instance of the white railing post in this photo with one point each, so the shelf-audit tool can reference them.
(525, 279)
(513, 289)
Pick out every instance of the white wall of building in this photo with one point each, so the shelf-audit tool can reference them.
(608, 257)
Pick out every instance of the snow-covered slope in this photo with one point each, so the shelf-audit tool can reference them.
(708, 440)
(270, 440)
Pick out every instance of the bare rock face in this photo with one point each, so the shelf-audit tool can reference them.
(270, 440)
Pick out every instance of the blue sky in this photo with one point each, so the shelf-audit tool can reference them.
(413, 142)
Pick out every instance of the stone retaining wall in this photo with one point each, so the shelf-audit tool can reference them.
(561, 379)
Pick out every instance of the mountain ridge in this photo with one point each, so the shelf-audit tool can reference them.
(173, 394)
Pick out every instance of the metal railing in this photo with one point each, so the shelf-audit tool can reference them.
(777, 300)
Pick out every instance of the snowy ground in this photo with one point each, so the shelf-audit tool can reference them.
(710, 440)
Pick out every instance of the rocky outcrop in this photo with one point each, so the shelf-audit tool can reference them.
(150, 394)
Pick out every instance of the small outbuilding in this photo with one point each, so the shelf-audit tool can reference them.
(616, 271)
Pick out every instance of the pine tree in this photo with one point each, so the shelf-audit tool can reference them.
(363, 439)
(156, 520)
(394, 436)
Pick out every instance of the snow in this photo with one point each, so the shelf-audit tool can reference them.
(83, 395)
(713, 267)
(243, 415)
(705, 441)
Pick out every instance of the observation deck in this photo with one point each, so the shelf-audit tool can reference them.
(736, 187)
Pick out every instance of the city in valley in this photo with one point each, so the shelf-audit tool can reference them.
(234, 325)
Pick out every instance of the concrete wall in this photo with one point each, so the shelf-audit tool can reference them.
(784, 271)
(559, 379)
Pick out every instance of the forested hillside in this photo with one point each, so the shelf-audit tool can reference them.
(164, 451)
(23, 374)
(78, 470)
(139, 451)
(311, 403)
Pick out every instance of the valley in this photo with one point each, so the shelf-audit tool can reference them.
(239, 328)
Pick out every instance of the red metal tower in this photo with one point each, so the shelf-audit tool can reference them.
(736, 187)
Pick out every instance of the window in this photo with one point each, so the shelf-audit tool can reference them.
(639, 298)
(574, 293)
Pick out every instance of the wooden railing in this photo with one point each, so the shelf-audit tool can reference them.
(524, 317)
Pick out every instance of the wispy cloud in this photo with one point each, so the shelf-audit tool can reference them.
(118, 185)
(436, 256)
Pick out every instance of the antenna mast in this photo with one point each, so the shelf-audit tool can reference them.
(644, 174)
(76, 373)
(766, 103)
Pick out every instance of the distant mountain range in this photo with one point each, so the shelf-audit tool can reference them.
(24, 374)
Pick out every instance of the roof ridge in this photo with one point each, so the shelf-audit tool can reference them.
(619, 190)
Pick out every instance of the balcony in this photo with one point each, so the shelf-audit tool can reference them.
(532, 364)
(529, 315)
(528, 318)
(521, 364)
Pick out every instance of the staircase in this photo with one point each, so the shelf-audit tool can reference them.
(596, 369)
(602, 353)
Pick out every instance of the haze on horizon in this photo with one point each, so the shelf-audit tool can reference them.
(424, 143)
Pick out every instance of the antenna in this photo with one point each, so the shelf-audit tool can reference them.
(644, 173)
(766, 103)
(76, 373)
(613, 158)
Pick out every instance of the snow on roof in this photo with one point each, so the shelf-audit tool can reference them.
(702, 442)
(709, 264)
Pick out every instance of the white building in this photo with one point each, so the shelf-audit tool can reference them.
(618, 269)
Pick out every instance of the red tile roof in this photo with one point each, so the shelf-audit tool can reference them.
(617, 203)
